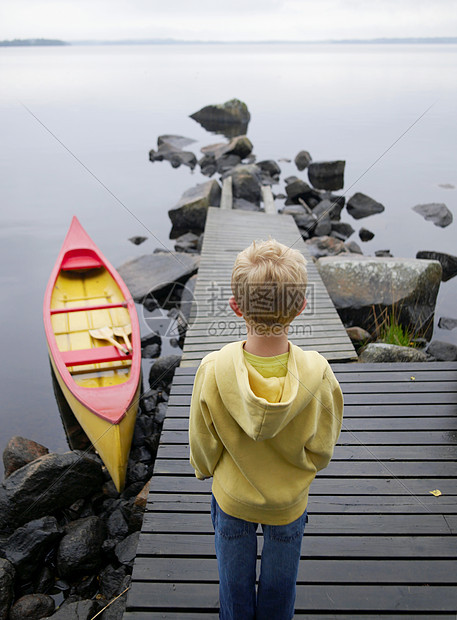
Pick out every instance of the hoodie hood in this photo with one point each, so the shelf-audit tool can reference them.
(264, 417)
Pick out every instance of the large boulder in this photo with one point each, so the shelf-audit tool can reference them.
(434, 212)
(7, 574)
(327, 175)
(361, 285)
(32, 607)
(246, 182)
(79, 551)
(360, 205)
(151, 273)
(20, 451)
(230, 118)
(448, 262)
(189, 214)
(383, 352)
(28, 545)
(49, 483)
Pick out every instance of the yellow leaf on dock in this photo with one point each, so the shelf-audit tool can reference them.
(436, 492)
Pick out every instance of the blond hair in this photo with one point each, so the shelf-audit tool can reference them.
(269, 283)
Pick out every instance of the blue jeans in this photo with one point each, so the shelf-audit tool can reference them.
(236, 552)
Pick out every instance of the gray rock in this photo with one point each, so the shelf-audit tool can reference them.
(32, 607)
(79, 551)
(365, 234)
(138, 240)
(126, 550)
(187, 242)
(329, 208)
(357, 334)
(190, 212)
(302, 160)
(327, 175)
(299, 189)
(19, 451)
(7, 574)
(246, 182)
(442, 351)
(270, 169)
(360, 205)
(111, 580)
(150, 351)
(77, 610)
(161, 412)
(435, 212)
(343, 229)
(174, 155)
(152, 273)
(117, 525)
(380, 253)
(244, 205)
(227, 162)
(378, 352)
(51, 482)
(163, 369)
(325, 246)
(353, 247)
(323, 226)
(231, 117)
(177, 142)
(306, 222)
(448, 262)
(208, 165)
(239, 145)
(28, 545)
(356, 284)
(446, 322)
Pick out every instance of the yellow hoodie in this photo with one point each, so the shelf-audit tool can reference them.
(263, 453)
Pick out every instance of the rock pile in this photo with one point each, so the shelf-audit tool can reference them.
(67, 537)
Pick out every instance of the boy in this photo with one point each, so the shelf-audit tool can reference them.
(265, 416)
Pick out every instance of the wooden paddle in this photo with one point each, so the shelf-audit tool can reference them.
(124, 331)
(106, 333)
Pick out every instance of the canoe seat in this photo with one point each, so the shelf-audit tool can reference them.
(121, 304)
(97, 355)
(81, 259)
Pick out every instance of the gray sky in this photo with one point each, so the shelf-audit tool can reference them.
(232, 20)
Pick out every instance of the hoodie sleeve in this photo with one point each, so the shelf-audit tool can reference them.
(330, 417)
(205, 445)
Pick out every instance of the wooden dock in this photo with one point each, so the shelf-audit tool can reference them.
(213, 324)
(378, 543)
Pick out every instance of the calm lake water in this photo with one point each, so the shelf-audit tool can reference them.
(107, 105)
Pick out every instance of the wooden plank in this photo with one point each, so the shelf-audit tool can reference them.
(323, 485)
(314, 546)
(330, 571)
(442, 423)
(365, 469)
(353, 453)
(330, 524)
(320, 504)
(309, 597)
(368, 438)
(226, 197)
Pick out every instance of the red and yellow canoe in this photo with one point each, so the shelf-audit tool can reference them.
(100, 382)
